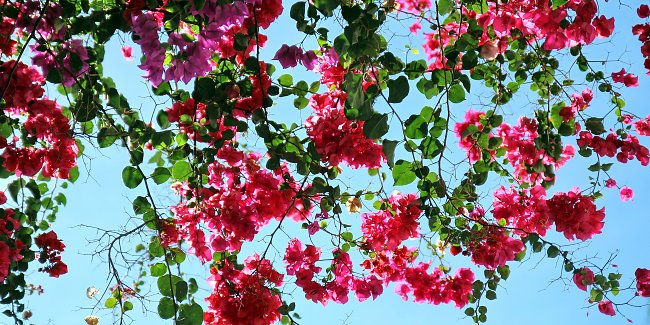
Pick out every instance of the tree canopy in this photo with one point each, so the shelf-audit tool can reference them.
(400, 145)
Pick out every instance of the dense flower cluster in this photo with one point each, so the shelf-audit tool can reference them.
(245, 296)
(519, 141)
(10, 247)
(337, 138)
(194, 48)
(576, 214)
(241, 199)
(493, 247)
(45, 121)
(388, 228)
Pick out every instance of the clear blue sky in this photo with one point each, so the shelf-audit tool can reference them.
(529, 296)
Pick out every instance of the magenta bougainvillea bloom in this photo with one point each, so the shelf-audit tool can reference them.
(626, 194)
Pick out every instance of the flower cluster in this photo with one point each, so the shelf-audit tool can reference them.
(624, 149)
(241, 199)
(338, 139)
(51, 248)
(642, 282)
(643, 30)
(388, 228)
(45, 121)
(10, 247)
(244, 296)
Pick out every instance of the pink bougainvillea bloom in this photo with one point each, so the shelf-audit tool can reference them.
(127, 53)
(313, 228)
(626, 194)
(3, 198)
(415, 27)
(623, 77)
(610, 183)
(309, 59)
(583, 278)
(606, 308)
(288, 55)
(642, 282)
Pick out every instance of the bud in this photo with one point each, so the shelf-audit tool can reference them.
(27, 314)
(91, 320)
(91, 292)
(353, 205)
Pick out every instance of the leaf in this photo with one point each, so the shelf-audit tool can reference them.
(297, 11)
(190, 314)
(595, 125)
(376, 126)
(416, 127)
(398, 89)
(456, 94)
(166, 308)
(326, 6)
(126, 306)
(110, 303)
(403, 173)
(388, 147)
(160, 175)
(131, 177)
(181, 170)
(166, 283)
(158, 269)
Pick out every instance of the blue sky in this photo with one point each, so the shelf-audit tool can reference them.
(100, 201)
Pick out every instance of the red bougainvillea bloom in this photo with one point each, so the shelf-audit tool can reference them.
(610, 183)
(606, 308)
(51, 248)
(583, 277)
(642, 282)
(626, 194)
(643, 11)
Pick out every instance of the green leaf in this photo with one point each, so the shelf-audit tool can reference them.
(110, 303)
(297, 11)
(595, 125)
(158, 269)
(166, 308)
(166, 283)
(558, 3)
(190, 314)
(416, 127)
(403, 173)
(388, 147)
(326, 6)
(182, 170)
(181, 290)
(376, 126)
(126, 306)
(445, 6)
(456, 93)
(160, 175)
(398, 89)
(131, 177)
